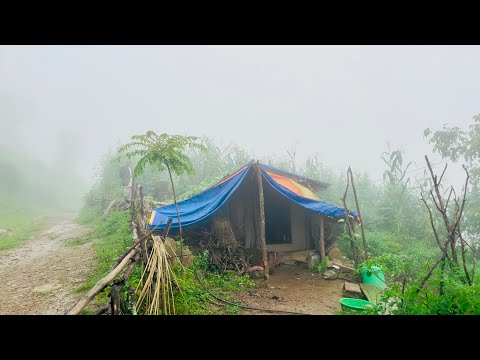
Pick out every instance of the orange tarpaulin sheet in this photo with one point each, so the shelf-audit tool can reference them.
(292, 185)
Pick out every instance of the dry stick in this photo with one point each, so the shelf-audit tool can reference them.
(474, 252)
(441, 176)
(136, 244)
(449, 195)
(430, 272)
(459, 215)
(262, 224)
(435, 201)
(178, 214)
(436, 186)
(431, 220)
(464, 260)
(167, 229)
(359, 213)
(100, 285)
(347, 223)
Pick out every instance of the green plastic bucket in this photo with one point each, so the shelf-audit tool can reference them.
(349, 304)
(376, 278)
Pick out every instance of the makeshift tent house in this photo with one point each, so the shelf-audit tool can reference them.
(294, 216)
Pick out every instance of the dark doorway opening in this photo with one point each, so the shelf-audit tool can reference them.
(277, 218)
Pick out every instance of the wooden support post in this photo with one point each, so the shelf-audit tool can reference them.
(115, 300)
(262, 224)
(132, 199)
(322, 239)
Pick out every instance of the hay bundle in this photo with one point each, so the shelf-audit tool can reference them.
(158, 280)
(223, 231)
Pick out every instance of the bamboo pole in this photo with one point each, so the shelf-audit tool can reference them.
(322, 239)
(262, 224)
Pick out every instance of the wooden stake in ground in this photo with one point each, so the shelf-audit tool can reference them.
(359, 213)
(322, 238)
(262, 224)
(101, 284)
(178, 215)
(132, 199)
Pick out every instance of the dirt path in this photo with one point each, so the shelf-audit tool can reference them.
(294, 288)
(40, 276)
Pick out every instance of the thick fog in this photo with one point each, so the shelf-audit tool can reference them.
(70, 104)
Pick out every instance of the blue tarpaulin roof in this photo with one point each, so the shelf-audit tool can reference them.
(208, 202)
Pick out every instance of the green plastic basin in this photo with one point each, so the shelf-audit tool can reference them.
(355, 304)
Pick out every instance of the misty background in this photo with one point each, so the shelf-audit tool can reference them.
(64, 107)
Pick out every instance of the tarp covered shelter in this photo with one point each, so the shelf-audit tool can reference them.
(293, 212)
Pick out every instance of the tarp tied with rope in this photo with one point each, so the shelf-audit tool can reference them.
(208, 202)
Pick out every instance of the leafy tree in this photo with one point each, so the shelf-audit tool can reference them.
(458, 144)
(160, 152)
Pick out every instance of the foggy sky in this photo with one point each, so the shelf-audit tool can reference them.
(74, 103)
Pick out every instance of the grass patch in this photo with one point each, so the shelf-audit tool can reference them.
(23, 221)
(113, 238)
(194, 299)
(78, 241)
(89, 215)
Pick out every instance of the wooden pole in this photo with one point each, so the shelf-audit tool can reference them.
(142, 213)
(132, 199)
(359, 214)
(322, 239)
(348, 223)
(115, 300)
(178, 217)
(101, 284)
(262, 224)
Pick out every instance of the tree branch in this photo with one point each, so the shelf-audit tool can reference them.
(441, 176)
(431, 221)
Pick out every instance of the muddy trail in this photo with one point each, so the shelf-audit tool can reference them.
(41, 275)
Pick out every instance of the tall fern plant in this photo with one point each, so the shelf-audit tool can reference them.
(160, 152)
